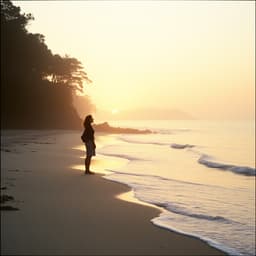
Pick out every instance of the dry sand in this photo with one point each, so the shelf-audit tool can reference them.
(63, 212)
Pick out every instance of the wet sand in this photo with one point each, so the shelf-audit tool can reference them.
(64, 212)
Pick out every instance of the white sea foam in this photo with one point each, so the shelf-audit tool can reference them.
(171, 207)
(123, 156)
(164, 222)
(137, 141)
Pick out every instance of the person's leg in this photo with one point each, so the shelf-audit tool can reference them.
(89, 154)
(87, 163)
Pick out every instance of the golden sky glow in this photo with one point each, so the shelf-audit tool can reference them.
(196, 56)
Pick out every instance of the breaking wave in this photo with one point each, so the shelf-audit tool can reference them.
(242, 170)
(185, 212)
(181, 146)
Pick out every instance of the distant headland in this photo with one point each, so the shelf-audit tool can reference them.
(105, 127)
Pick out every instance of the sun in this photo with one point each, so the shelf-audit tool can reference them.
(114, 111)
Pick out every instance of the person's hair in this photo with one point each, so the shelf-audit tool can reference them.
(87, 121)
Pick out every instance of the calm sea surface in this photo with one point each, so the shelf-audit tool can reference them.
(202, 174)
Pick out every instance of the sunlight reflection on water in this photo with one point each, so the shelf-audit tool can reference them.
(102, 164)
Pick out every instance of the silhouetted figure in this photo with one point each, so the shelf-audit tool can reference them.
(88, 138)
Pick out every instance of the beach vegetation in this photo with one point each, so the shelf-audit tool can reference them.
(37, 86)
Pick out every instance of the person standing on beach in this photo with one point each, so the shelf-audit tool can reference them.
(88, 138)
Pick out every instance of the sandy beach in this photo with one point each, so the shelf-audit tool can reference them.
(64, 212)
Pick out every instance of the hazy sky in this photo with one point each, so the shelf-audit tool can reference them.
(196, 56)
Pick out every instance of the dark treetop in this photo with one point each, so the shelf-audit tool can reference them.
(36, 85)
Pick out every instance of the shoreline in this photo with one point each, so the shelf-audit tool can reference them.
(130, 197)
(61, 211)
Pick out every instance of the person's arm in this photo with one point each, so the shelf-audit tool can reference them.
(83, 137)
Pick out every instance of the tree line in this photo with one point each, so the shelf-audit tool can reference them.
(37, 86)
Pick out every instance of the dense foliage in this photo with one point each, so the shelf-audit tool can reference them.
(36, 85)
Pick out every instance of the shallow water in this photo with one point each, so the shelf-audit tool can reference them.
(202, 174)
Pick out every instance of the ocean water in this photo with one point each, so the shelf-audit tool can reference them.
(200, 173)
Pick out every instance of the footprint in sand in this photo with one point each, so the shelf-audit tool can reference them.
(14, 170)
(8, 208)
(4, 199)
